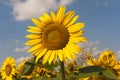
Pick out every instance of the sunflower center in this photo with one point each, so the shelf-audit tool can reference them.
(8, 70)
(55, 37)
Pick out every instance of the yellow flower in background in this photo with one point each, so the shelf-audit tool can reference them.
(20, 68)
(8, 68)
(29, 77)
(38, 71)
(92, 61)
(108, 61)
(71, 67)
(55, 35)
(107, 58)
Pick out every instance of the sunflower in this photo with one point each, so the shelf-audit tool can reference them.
(8, 68)
(39, 71)
(55, 35)
(108, 61)
(20, 68)
(71, 67)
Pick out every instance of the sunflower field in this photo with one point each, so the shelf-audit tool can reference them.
(53, 41)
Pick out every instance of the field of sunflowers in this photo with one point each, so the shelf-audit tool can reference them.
(54, 41)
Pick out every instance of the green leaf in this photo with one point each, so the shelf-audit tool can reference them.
(28, 67)
(46, 78)
(109, 74)
(89, 71)
(94, 71)
(16, 76)
(24, 79)
(0, 78)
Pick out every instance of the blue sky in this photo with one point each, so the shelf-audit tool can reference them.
(101, 18)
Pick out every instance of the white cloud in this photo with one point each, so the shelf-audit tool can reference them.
(17, 49)
(66, 2)
(26, 9)
(21, 59)
(90, 44)
(118, 54)
(91, 47)
(88, 48)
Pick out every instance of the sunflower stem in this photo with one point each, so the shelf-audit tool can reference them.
(63, 70)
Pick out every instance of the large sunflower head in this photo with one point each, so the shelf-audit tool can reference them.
(55, 35)
(8, 68)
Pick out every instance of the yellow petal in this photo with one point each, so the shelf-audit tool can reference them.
(59, 53)
(41, 54)
(112, 63)
(64, 57)
(68, 17)
(79, 33)
(45, 18)
(9, 78)
(72, 21)
(34, 29)
(51, 57)
(35, 47)
(46, 56)
(117, 67)
(72, 55)
(60, 14)
(33, 41)
(33, 36)
(74, 48)
(38, 23)
(75, 39)
(66, 53)
(36, 52)
(54, 60)
(75, 27)
(53, 16)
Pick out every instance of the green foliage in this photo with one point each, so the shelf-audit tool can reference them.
(47, 65)
(50, 66)
(109, 74)
(23, 79)
(16, 76)
(28, 67)
(47, 78)
(89, 71)
(94, 71)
